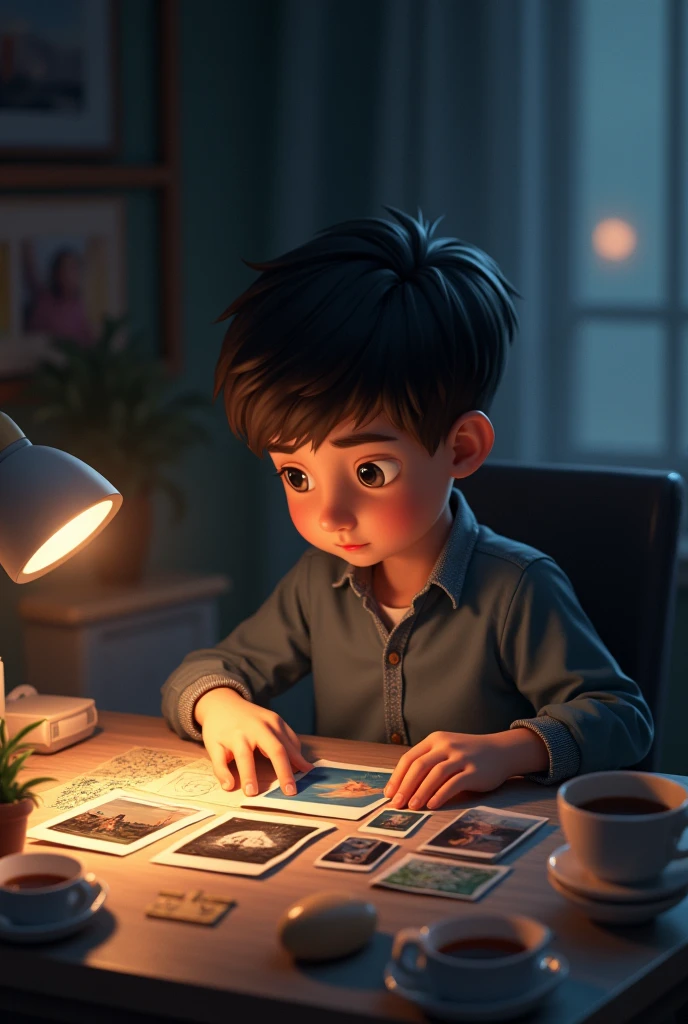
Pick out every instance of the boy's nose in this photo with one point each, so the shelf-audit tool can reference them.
(334, 518)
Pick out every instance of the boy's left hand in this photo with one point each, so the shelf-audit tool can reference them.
(444, 763)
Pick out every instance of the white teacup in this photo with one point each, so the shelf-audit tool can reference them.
(481, 970)
(623, 847)
(43, 904)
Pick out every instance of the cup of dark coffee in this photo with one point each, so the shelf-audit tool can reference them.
(624, 826)
(473, 957)
(41, 888)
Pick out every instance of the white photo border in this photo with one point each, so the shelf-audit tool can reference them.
(362, 868)
(46, 831)
(422, 815)
(320, 810)
(497, 873)
(447, 851)
(170, 855)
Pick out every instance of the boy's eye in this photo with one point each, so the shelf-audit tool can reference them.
(377, 474)
(297, 479)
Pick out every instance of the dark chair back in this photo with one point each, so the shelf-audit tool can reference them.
(615, 534)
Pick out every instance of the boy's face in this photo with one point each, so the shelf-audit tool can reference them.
(368, 493)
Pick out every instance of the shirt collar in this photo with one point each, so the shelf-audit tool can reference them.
(449, 571)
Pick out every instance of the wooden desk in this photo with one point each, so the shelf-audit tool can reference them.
(127, 967)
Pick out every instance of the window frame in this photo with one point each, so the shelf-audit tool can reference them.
(563, 313)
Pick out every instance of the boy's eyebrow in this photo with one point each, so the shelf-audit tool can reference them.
(351, 440)
(288, 449)
(347, 441)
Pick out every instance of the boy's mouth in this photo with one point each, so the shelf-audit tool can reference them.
(352, 547)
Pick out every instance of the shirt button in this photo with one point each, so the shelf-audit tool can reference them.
(395, 737)
(393, 658)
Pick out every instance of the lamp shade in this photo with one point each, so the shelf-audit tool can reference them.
(51, 506)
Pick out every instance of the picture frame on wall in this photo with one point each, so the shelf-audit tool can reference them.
(62, 270)
(58, 88)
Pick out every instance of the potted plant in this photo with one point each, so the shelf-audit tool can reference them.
(17, 799)
(114, 407)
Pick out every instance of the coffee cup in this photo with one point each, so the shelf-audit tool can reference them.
(473, 957)
(43, 888)
(624, 826)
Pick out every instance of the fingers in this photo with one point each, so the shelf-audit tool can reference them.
(286, 736)
(282, 765)
(243, 755)
(298, 760)
(435, 778)
(218, 759)
(403, 764)
(418, 771)
(456, 784)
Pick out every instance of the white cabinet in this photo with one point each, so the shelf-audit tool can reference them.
(118, 644)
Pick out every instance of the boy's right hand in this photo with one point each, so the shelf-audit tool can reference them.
(234, 727)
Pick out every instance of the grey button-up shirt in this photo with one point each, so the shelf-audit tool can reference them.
(496, 639)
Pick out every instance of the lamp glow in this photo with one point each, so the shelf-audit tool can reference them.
(68, 537)
(614, 239)
(51, 505)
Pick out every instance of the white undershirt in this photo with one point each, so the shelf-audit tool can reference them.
(391, 616)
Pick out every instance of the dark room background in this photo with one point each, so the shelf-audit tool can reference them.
(550, 134)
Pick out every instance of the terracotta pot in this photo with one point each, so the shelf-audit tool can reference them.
(120, 552)
(13, 820)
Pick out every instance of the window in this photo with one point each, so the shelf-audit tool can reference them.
(617, 184)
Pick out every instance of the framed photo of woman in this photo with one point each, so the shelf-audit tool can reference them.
(61, 272)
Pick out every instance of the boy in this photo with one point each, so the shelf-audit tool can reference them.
(365, 362)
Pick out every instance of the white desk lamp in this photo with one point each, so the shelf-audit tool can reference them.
(51, 506)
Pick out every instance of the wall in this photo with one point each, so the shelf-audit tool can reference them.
(226, 109)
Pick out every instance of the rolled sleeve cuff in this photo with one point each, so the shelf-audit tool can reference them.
(564, 755)
(193, 693)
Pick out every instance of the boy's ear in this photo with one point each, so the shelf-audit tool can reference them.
(469, 441)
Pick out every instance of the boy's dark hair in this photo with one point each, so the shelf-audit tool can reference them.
(369, 317)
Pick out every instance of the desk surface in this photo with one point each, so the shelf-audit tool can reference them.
(237, 971)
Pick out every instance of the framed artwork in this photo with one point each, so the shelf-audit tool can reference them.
(58, 90)
(61, 271)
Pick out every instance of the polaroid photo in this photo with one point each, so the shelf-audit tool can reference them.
(434, 876)
(486, 833)
(242, 843)
(330, 789)
(393, 822)
(356, 853)
(119, 822)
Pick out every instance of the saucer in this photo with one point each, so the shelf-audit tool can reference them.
(553, 969)
(49, 930)
(616, 913)
(569, 872)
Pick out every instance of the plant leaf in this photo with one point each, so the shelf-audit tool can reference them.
(10, 747)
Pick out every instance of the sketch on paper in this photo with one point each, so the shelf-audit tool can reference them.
(129, 770)
(195, 780)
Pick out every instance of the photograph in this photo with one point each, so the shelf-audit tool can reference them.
(355, 853)
(57, 68)
(61, 273)
(431, 876)
(118, 822)
(330, 789)
(242, 843)
(399, 823)
(483, 832)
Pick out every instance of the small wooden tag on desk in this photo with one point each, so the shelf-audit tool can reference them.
(195, 907)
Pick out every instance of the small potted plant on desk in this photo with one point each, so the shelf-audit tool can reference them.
(17, 799)
(112, 406)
